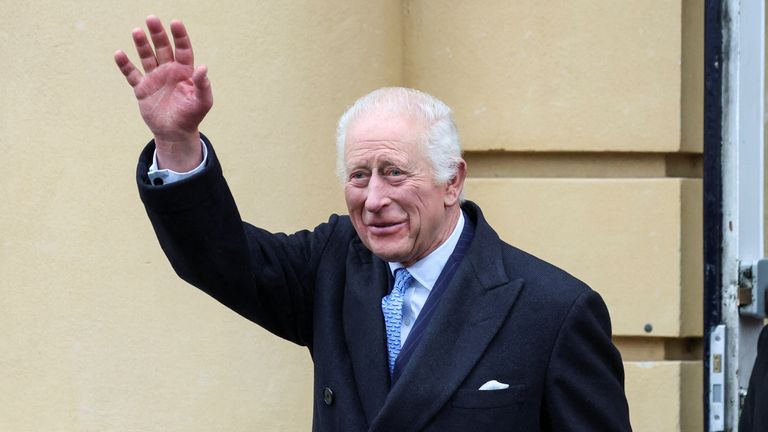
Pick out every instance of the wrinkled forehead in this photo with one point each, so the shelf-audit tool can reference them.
(385, 126)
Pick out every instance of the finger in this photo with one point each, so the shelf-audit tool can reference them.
(181, 41)
(146, 54)
(202, 86)
(163, 49)
(131, 74)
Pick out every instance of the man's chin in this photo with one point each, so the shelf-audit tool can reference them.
(388, 257)
(388, 253)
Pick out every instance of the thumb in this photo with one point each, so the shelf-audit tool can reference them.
(202, 86)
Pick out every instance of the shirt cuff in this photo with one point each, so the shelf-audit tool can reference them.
(166, 176)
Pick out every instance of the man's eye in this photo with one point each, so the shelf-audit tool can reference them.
(394, 172)
(358, 175)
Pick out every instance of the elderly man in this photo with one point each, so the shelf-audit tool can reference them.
(417, 316)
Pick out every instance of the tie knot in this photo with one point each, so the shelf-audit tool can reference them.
(403, 278)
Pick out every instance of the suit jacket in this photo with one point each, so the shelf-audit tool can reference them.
(754, 413)
(505, 316)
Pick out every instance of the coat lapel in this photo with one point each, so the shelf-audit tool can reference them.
(470, 313)
(367, 282)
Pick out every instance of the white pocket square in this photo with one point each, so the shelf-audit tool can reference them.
(494, 385)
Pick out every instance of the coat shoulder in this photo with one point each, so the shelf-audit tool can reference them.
(545, 277)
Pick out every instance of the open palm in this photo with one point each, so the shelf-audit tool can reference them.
(173, 95)
(168, 100)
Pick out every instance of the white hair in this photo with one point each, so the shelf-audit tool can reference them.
(440, 138)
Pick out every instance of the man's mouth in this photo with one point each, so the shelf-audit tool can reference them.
(384, 228)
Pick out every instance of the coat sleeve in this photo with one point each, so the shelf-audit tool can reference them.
(267, 278)
(585, 378)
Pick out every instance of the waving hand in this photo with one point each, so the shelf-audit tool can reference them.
(173, 95)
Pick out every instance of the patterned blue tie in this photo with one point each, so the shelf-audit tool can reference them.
(392, 306)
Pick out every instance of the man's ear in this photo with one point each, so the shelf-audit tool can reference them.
(455, 184)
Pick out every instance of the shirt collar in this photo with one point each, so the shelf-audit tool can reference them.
(428, 269)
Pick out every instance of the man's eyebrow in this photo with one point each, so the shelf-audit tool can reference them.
(357, 165)
(405, 164)
(379, 164)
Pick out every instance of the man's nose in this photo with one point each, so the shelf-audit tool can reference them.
(378, 196)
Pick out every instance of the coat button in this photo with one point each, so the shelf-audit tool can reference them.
(328, 396)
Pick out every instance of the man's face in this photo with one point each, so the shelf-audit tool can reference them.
(398, 211)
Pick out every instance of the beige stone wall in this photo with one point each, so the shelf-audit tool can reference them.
(582, 125)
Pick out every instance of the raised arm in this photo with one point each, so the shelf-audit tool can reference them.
(173, 95)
